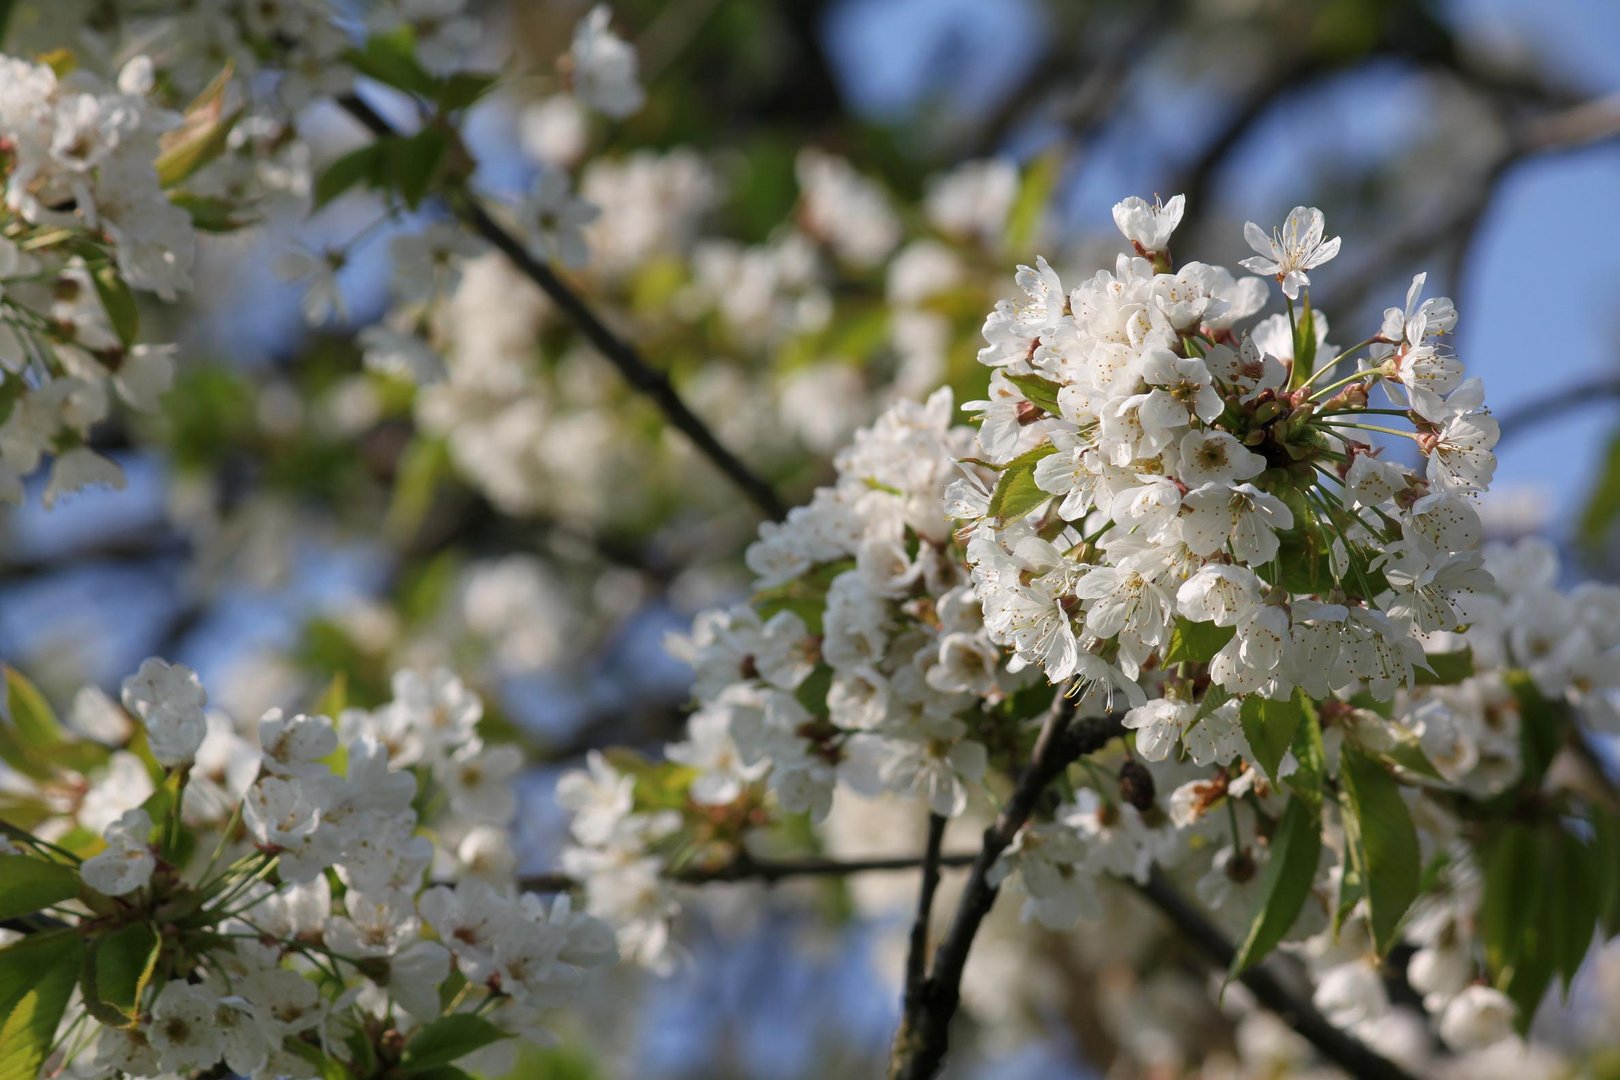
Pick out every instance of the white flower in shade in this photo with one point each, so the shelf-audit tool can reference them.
(603, 68)
(1149, 225)
(78, 469)
(440, 710)
(317, 273)
(168, 700)
(128, 862)
(1158, 726)
(1476, 1018)
(479, 779)
(402, 356)
(598, 798)
(708, 748)
(295, 745)
(559, 219)
(374, 925)
(415, 974)
(1291, 250)
(183, 1028)
(1351, 993)
(486, 854)
(468, 919)
(145, 375)
(428, 263)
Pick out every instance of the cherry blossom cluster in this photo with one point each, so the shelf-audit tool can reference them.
(1189, 469)
(86, 219)
(290, 879)
(1174, 515)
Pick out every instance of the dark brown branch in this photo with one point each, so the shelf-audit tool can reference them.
(920, 1044)
(1333, 1043)
(629, 362)
(747, 867)
(917, 953)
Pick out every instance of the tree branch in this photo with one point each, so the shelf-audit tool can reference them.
(917, 953)
(1580, 127)
(920, 1044)
(745, 867)
(1557, 405)
(1343, 1049)
(616, 350)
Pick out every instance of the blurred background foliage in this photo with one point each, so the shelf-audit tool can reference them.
(289, 518)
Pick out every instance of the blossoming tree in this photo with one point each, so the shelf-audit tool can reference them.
(1178, 649)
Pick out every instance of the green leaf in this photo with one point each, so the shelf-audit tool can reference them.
(197, 145)
(391, 59)
(422, 468)
(1304, 343)
(1407, 752)
(125, 961)
(29, 884)
(30, 713)
(1449, 668)
(1308, 780)
(1603, 504)
(1040, 391)
(812, 692)
(1270, 726)
(119, 303)
(1016, 492)
(28, 729)
(447, 1039)
(1196, 642)
(1383, 844)
(465, 88)
(413, 163)
(1034, 196)
(211, 214)
(355, 167)
(1285, 884)
(37, 976)
(1575, 890)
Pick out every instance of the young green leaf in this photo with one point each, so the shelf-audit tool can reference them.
(37, 976)
(119, 304)
(1196, 642)
(1016, 492)
(1270, 726)
(29, 884)
(1040, 391)
(1383, 843)
(1447, 668)
(1285, 884)
(355, 167)
(447, 1039)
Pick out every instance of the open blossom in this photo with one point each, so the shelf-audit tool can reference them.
(168, 700)
(604, 69)
(1291, 250)
(560, 219)
(128, 862)
(1149, 225)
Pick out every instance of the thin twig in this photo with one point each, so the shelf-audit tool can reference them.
(616, 350)
(1338, 1046)
(920, 1044)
